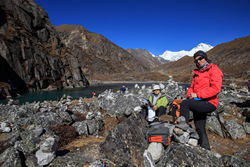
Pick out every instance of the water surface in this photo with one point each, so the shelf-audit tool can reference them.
(75, 93)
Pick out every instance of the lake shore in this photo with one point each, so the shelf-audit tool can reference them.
(118, 82)
(114, 82)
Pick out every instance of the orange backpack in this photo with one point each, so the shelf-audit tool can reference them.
(175, 109)
(159, 132)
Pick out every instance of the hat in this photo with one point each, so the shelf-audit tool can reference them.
(156, 87)
(200, 53)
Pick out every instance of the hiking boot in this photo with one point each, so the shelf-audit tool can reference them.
(166, 117)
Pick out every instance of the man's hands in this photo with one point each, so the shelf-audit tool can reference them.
(155, 107)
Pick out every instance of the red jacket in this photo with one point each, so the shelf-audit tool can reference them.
(207, 84)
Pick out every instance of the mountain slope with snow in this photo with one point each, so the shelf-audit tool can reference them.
(173, 56)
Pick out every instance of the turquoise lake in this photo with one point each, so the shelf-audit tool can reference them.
(75, 93)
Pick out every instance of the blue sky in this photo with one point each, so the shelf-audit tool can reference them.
(156, 25)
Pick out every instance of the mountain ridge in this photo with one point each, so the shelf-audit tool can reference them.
(174, 56)
(231, 57)
(145, 58)
(98, 56)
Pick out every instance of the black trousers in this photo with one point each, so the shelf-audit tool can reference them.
(160, 111)
(200, 110)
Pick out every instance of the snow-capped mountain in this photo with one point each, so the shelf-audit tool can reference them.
(173, 56)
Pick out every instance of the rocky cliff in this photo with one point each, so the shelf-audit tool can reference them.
(32, 48)
(97, 55)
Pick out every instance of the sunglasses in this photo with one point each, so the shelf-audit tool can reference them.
(196, 60)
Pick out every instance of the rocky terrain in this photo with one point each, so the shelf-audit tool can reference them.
(109, 130)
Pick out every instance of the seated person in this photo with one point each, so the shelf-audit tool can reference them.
(157, 101)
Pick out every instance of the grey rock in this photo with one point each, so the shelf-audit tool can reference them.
(38, 131)
(182, 139)
(10, 157)
(101, 162)
(193, 142)
(47, 119)
(213, 125)
(5, 129)
(236, 130)
(49, 145)
(194, 135)
(94, 126)
(31, 161)
(184, 155)
(28, 146)
(156, 150)
(230, 160)
(246, 126)
(183, 126)
(178, 131)
(148, 160)
(70, 159)
(88, 127)
(44, 158)
(81, 128)
(181, 120)
(108, 101)
(66, 118)
(126, 143)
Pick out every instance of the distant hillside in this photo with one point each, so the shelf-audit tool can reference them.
(145, 58)
(97, 55)
(233, 58)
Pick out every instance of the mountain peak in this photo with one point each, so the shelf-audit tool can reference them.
(173, 56)
(203, 46)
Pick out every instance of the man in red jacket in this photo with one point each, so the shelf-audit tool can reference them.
(202, 95)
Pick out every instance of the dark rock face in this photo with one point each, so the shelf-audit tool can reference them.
(11, 83)
(31, 46)
(126, 143)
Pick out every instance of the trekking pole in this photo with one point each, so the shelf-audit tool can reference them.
(104, 162)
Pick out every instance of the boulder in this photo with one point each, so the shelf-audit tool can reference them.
(235, 129)
(156, 150)
(230, 160)
(10, 157)
(184, 155)
(126, 143)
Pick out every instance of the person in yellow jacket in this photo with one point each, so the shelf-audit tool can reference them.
(157, 101)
